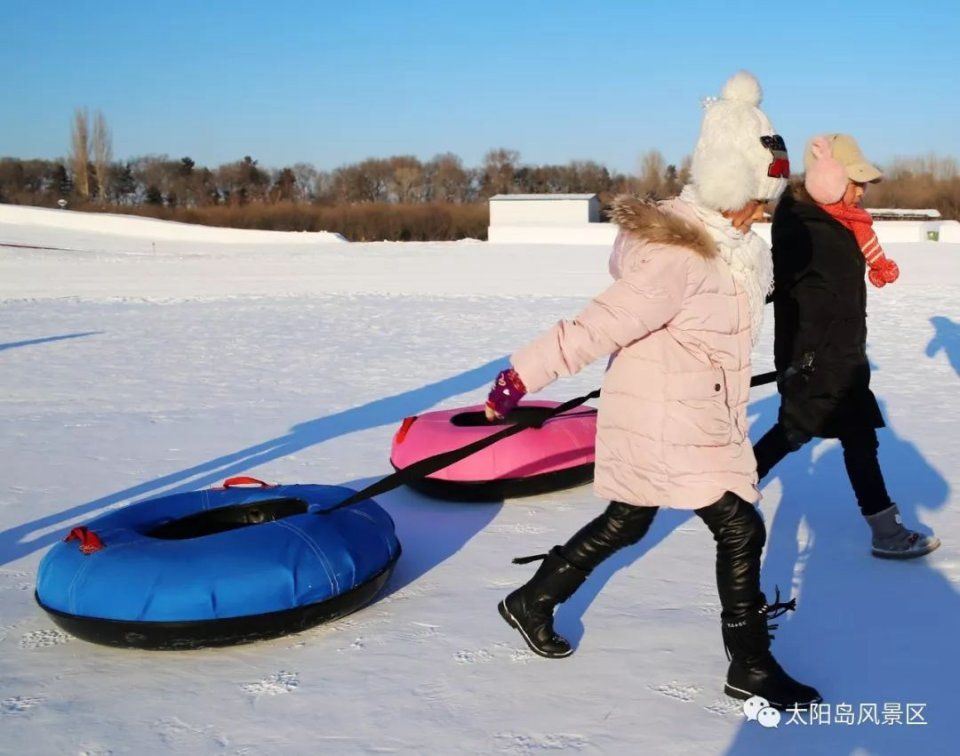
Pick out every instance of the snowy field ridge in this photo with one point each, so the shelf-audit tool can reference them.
(130, 371)
(150, 229)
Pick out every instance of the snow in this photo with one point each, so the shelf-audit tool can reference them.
(131, 226)
(131, 371)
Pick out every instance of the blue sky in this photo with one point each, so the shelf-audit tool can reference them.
(336, 82)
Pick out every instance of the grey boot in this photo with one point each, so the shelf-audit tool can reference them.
(891, 540)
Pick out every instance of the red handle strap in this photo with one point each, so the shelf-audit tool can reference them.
(404, 429)
(244, 480)
(89, 541)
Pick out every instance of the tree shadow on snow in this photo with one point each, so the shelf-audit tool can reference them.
(867, 631)
(387, 411)
(47, 340)
(947, 339)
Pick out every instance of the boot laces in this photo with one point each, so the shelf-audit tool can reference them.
(528, 559)
(777, 609)
(757, 629)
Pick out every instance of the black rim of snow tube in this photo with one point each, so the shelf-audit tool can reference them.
(182, 636)
(506, 488)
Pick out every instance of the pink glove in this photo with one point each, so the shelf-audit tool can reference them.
(506, 393)
(882, 272)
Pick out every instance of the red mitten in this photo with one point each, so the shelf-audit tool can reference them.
(882, 272)
(506, 393)
(891, 272)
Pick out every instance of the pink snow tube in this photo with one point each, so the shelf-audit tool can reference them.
(537, 460)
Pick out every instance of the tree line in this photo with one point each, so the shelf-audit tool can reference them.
(301, 196)
(90, 175)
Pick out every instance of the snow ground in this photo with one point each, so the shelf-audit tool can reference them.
(133, 369)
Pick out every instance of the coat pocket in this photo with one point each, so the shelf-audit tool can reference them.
(696, 412)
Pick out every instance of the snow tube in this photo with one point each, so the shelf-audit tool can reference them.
(217, 567)
(537, 460)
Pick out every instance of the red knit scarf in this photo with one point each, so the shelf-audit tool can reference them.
(860, 222)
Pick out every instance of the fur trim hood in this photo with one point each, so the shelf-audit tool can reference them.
(651, 222)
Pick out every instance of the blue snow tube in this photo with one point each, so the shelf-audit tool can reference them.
(217, 567)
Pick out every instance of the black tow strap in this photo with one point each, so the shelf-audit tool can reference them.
(430, 465)
(433, 464)
(763, 378)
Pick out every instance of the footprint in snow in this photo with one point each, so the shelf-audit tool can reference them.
(183, 736)
(18, 704)
(725, 707)
(43, 639)
(480, 656)
(273, 685)
(685, 693)
(15, 580)
(522, 656)
(422, 632)
(527, 743)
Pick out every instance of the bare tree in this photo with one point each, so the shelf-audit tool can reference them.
(448, 180)
(368, 181)
(284, 187)
(499, 169)
(102, 153)
(587, 176)
(405, 183)
(243, 181)
(652, 170)
(323, 187)
(158, 172)
(306, 180)
(80, 152)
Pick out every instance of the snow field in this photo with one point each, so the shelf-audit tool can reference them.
(129, 372)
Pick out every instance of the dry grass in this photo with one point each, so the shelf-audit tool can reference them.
(434, 221)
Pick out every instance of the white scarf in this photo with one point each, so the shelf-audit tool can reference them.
(746, 254)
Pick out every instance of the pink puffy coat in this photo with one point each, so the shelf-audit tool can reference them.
(672, 425)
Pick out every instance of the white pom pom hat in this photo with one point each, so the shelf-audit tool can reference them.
(739, 157)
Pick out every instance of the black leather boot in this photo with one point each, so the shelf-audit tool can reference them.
(753, 670)
(529, 609)
(740, 534)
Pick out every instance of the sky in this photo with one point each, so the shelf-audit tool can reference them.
(332, 83)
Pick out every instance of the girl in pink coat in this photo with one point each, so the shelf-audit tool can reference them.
(690, 280)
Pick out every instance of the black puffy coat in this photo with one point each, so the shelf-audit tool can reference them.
(820, 308)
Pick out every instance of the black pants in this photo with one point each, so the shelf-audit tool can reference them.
(859, 456)
(737, 529)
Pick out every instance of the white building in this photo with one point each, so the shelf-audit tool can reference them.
(547, 218)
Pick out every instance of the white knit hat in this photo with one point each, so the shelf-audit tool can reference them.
(738, 156)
